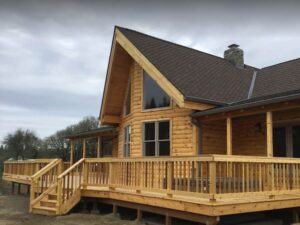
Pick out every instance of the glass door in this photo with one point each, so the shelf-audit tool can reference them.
(296, 141)
(279, 142)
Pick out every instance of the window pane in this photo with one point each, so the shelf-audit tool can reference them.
(150, 148)
(149, 131)
(127, 132)
(128, 100)
(164, 130)
(164, 148)
(107, 147)
(153, 96)
(279, 142)
(296, 141)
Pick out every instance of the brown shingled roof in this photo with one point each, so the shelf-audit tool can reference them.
(203, 77)
(277, 79)
(197, 75)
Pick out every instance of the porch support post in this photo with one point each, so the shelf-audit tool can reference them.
(229, 135)
(72, 152)
(84, 148)
(99, 147)
(269, 134)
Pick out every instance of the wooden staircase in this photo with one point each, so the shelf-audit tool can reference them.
(53, 192)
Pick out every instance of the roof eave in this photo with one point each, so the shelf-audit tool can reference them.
(246, 105)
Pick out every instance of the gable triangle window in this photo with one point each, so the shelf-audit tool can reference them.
(153, 95)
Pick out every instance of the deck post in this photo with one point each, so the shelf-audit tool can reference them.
(12, 187)
(59, 195)
(229, 135)
(168, 220)
(84, 148)
(72, 152)
(99, 147)
(269, 125)
(139, 215)
(19, 188)
(170, 178)
(115, 209)
(110, 175)
(212, 180)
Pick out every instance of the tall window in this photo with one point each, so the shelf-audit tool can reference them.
(127, 137)
(157, 138)
(127, 105)
(153, 95)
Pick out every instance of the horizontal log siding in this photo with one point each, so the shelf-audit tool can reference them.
(247, 138)
(214, 138)
(183, 136)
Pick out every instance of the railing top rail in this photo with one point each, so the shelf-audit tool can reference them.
(28, 161)
(45, 169)
(254, 159)
(203, 158)
(71, 168)
(152, 159)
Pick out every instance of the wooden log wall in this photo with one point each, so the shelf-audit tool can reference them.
(183, 132)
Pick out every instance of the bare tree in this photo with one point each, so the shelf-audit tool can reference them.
(56, 144)
(22, 144)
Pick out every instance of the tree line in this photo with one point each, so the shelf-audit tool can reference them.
(25, 144)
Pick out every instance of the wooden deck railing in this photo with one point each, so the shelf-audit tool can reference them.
(215, 176)
(212, 177)
(24, 167)
(44, 179)
(69, 186)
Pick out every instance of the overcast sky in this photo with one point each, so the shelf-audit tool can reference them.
(54, 54)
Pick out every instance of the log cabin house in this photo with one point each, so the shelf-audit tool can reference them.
(183, 133)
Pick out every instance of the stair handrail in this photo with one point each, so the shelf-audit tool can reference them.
(70, 168)
(45, 169)
(44, 179)
(65, 190)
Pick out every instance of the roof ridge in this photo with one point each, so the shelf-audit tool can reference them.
(180, 45)
(277, 64)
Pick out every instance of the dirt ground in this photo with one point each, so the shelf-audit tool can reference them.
(14, 211)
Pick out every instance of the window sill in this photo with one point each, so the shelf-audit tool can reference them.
(157, 109)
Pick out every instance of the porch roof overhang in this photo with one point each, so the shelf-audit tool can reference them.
(101, 131)
(251, 103)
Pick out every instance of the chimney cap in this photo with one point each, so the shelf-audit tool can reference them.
(233, 46)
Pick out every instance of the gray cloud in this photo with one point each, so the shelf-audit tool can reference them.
(54, 53)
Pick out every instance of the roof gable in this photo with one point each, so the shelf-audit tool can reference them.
(197, 75)
(122, 54)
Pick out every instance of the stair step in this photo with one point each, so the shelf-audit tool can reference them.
(49, 203)
(52, 196)
(43, 210)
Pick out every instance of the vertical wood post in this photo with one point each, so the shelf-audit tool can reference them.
(32, 193)
(139, 215)
(110, 175)
(229, 135)
(85, 173)
(212, 180)
(59, 196)
(84, 148)
(170, 176)
(99, 147)
(72, 152)
(269, 125)
(168, 220)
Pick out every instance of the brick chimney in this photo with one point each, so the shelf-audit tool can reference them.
(235, 55)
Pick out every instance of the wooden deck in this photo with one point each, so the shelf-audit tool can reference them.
(210, 186)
